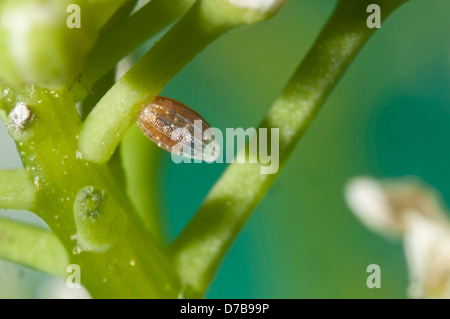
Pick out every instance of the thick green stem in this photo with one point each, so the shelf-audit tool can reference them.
(17, 190)
(140, 161)
(83, 204)
(88, 212)
(198, 251)
(32, 247)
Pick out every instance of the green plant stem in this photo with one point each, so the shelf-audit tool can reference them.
(17, 190)
(140, 161)
(105, 9)
(123, 38)
(201, 25)
(98, 90)
(121, 104)
(119, 15)
(198, 251)
(133, 265)
(32, 247)
(102, 234)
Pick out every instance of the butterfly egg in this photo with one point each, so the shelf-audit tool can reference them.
(177, 128)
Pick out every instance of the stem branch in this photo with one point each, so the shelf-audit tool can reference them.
(32, 247)
(198, 251)
(17, 190)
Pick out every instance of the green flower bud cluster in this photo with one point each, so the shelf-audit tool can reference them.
(39, 43)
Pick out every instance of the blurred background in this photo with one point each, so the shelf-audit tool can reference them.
(388, 117)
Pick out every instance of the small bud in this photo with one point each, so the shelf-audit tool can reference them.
(37, 46)
(368, 201)
(427, 248)
(100, 223)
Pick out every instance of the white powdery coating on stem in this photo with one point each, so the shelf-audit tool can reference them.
(19, 116)
(259, 5)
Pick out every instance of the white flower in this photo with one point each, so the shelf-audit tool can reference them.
(368, 201)
(264, 6)
(406, 208)
(427, 249)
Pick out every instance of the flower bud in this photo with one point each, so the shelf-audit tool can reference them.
(100, 223)
(38, 46)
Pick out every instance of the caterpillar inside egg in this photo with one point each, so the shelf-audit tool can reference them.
(177, 128)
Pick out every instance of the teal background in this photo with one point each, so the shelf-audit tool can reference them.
(388, 116)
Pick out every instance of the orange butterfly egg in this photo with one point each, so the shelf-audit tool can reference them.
(177, 128)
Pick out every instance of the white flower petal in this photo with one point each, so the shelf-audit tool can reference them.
(259, 5)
